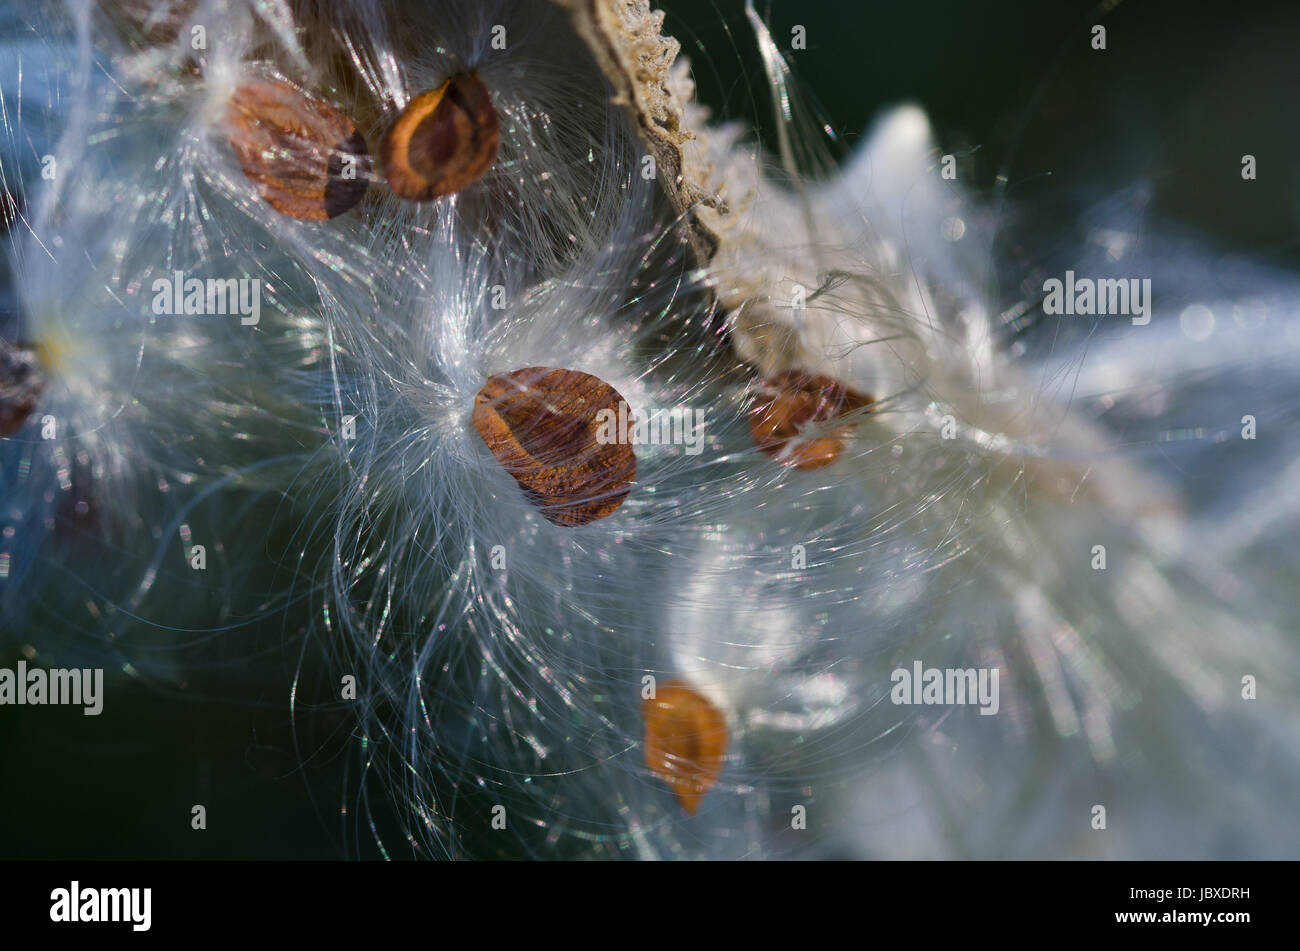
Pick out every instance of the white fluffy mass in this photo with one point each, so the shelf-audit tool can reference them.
(325, 460)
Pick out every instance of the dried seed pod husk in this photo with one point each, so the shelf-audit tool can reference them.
(653, 85)
(542, 424)
(791, 404)
(685, 741)
(444, 140)
(307, 158)
(21, 383)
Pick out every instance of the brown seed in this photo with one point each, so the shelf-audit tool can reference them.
(443, 141)
(21, 382)
(541, 424)
(307, 157)
(685, 739)
(792, 403)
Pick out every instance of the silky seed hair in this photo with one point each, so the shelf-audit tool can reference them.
(148, 424)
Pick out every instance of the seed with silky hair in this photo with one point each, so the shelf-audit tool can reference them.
(443, 142)
(784, 419)
(685, 739)
(307, 158)
(541, 425)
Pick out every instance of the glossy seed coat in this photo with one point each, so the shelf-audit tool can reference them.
(443, 142)
(541, 425)
(306, 157)
(685, 741)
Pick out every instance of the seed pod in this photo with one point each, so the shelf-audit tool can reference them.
(541, 425)
(685, 739)
(791, 403)
(307, 158)
(21, 382)
(443, 141)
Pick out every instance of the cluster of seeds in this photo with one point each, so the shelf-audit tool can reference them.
(309, 161)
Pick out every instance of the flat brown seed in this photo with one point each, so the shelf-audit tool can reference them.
(542, 425)
(21, 382)
(792, 403)
(685, 739)
(443, 142)
(306, 157)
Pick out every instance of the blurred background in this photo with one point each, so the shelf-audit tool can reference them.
(1179, 95)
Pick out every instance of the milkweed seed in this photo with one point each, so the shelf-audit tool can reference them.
(783, 420)
(685, 739)
(307, 158)
(540, 424)
(443, 141)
